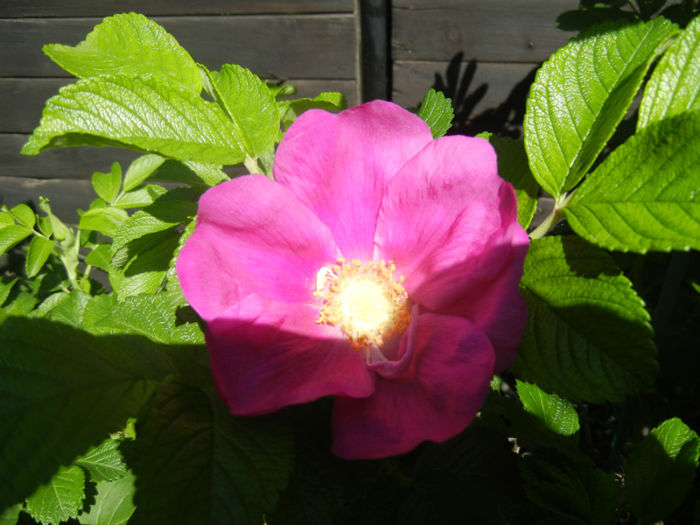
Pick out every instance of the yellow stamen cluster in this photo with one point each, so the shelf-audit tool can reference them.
(363, 300)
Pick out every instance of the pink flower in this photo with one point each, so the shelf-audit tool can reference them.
(380, 267)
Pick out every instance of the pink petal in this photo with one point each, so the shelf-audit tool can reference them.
(448, 221)
(266, 355)
(434, 398)
(497, 306)
(252, 236)
(338, 165)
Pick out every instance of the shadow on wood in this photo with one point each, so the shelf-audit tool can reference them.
(505, 119)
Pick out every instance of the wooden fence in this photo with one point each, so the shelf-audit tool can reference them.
(482, 53)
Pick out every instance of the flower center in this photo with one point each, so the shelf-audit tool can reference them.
(363, 300)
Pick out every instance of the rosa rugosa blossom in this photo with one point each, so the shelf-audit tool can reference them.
(380, 267)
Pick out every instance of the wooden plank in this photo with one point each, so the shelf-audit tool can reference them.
(477, 89)
(22, 99)
(65, 195)
(66, 163)
(72, 8)
(493, 30)
(276, 46)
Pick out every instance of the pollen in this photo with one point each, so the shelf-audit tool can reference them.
(363, 300)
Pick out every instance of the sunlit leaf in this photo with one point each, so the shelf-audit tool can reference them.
(139, 112)
(436, 110)
(556, 413)
(646, 194)
(674, 86)
(59, 499)
(128, 44)
(580, 95)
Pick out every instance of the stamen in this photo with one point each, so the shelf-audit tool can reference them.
(363, 300)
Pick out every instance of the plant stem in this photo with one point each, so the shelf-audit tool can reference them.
(556, 215)
(634, 8)
(550, 221)
(251, 165)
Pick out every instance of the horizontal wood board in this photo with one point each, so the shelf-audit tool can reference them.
(72, 8)
(486, 86)
(492, 31)
(275, 46)
(66, 196)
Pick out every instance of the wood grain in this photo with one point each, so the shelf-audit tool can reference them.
(323, 46)
(70, 8)
(65, 163)
(65, 195)
(493, 30)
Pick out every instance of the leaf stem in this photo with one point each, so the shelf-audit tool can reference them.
(634, 8)
(251, 165)
(547, 224)
(556, 215)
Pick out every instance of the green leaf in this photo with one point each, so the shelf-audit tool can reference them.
(571, 492)
(44, 225)
(328, 100)
(557, 414)
(140, 169)
(646, 194)
(6, 219)
(128, 44)
(192, 173)
(10, 515)
(11, 235)
(38, 252)
(660, 470)
(250, 105)
(6, 285)
(100, 257)
(153, 316)
(104, 462)
(436, 110)
(139, 198)
(50, 303)
(59, 230)
(24, 215)
(675, 85)
(60, 499)
(63, 390)
(513, 167)
(167, 212)
(209, 174)
(580, 95)
(105, 220)
(147, 269)
(195, 463)
(587, 336)
(140, 113)
(107, 185)
(21, 304)
(114, 503)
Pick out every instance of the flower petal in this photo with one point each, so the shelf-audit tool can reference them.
(497, 307)
(252, 236)
(266, 355)
(338, 165)
(448, 221)
(434, 399)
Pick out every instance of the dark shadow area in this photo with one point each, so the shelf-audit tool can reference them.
(458, 84)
